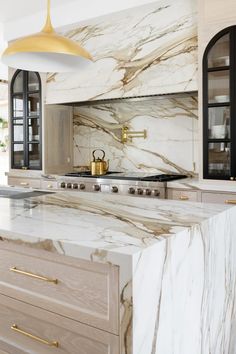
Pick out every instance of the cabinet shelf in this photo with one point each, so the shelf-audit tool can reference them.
(218, 104)
(218, 68)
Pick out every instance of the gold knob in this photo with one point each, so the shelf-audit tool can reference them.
(183, 197)
(231, 178)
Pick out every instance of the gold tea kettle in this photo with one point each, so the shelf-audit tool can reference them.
(99, 166)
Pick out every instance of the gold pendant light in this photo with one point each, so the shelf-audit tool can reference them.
(45, 51)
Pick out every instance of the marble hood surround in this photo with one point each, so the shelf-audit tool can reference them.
(177, 262)
(146, 50)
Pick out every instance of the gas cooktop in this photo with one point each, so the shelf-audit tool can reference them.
(130, 176)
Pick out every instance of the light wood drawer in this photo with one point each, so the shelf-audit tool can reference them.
(84, 291)
(212, 197)
(184, 195)
(20, 321)
(48, 184)
(24, 182)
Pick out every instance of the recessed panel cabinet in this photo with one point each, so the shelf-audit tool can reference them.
(219, 106)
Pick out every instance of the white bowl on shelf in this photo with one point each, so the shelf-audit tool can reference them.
(221, 98)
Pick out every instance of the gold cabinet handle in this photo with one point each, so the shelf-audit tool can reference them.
(32, 275)
(50, 185)
(24, 183)
(230, 201)
(183, 197)
(15, 328)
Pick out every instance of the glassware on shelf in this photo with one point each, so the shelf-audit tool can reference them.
(219, 159)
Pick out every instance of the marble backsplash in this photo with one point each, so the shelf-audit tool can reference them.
(150, 49)
(172, 134)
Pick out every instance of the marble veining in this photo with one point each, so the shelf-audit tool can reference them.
(151, 49)
(177, 262)
(172, 134)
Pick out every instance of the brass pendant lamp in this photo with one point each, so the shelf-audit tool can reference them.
(45, 51)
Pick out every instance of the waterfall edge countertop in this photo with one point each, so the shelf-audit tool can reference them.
(177, 262)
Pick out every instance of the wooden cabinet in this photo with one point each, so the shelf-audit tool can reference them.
(212, 197)
(57, 304)
(184, 195)
(27, 329)
(77, 289)
(24, 182)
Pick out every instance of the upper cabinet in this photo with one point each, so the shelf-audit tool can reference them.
(41, 135)
(219, 106)
(26, 121)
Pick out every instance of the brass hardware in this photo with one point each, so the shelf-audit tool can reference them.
(230, 201)
(129, 135)
(24, 184)
(183, 197)
(24, 168)
(231, 178)
(32, 275)
(50, 185)
(99, 166)
(15, 328)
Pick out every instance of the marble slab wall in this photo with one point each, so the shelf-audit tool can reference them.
(151, 49)
(172, 134)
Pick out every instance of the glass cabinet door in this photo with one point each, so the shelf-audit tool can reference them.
(219, 136)
(26, 120)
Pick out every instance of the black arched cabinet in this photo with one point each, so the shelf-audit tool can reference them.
(26, 121)
(219, 106)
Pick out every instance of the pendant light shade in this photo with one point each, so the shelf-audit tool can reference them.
(46, 51)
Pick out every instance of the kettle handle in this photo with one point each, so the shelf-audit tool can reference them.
(93, 153)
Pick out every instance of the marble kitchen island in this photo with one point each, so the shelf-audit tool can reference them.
(176, 266)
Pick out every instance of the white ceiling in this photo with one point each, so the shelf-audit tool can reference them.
(15, 9)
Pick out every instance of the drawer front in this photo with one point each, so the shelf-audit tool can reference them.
(221, 198)
(24, 182)
(184, 195)
(81, 290)
(48, 184)
(28, 329)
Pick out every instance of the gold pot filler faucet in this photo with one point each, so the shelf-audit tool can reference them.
(128, 135)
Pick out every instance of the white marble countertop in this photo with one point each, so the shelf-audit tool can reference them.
(62, 221)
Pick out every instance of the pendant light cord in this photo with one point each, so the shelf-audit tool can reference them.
(48, 25)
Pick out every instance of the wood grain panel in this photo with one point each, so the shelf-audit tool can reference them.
(72, 337)
(86, 291)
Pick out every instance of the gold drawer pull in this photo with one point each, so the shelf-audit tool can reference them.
(230, 201)
(24, 183)
(15, 328)
(183, 197)
(32, 275)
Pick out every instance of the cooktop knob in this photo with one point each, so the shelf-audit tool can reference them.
(156, 192)
(140, 191)
(148, 191)
(75, 185)
(96, 187)
(114, 189)
(131, 190)
(82, 186)
(63, 185)
(68, 185)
